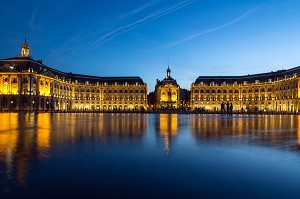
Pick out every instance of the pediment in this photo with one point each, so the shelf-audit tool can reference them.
(49, 74)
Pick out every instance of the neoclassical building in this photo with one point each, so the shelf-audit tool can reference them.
(273, 91)
(167, 92)
(28, 84)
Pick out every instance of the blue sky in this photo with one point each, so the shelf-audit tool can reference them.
(141, 38)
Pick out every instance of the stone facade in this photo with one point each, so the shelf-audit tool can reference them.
(28, 84)
(167, 92)
(274, 91)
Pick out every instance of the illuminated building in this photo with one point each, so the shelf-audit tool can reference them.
(167, 92)
(273, 91)
(28, 84)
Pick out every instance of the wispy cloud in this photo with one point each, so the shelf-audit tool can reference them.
(236, 20)
(139, 9)
(152, 16)
(63, 54)
(32, 21)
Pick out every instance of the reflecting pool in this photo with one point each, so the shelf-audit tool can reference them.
(86, 155)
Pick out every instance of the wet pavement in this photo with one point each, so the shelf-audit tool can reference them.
(149, 156)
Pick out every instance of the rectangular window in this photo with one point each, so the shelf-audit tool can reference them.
(15, 80)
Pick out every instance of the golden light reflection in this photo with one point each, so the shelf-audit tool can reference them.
(130, 126)
(8, 135)
(168, 127)
(80, 127)
(298, 133)
(43, 133)
(8, 142)
(21, 136)
(268, 130)
(26, 136)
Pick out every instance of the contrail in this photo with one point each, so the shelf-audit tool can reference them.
(92, 44)
(154, 15)
(141, 8)
(66, 46)
(126, 15)
(246, 14)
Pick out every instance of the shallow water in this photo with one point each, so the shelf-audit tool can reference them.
(149, 156)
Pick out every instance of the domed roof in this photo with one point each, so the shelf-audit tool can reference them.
(25, 49)
(168, 70)
(25, 44)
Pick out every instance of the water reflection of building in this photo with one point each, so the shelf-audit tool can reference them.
(43, 134)
(88, 126)
(28, 84)
(298, 145)
(125, 126)
(167, 127)
(28, 137)
(269, 130)
(22, 137)
(8, 142)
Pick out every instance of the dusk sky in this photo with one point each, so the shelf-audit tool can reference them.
(141, 38)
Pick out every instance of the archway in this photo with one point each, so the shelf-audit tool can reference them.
(4, 103)
(142, 108)
(24, 102)
(12, 103)
(52, 104)
(42, 103)
(57, 105)
(34, 103)
(47, 104)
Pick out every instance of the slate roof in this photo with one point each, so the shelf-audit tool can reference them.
(166, 81)
(262, 77)
(22, 64)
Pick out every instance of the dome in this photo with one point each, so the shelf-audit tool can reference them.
(25, 44)
(168, 70)
(25, 49)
